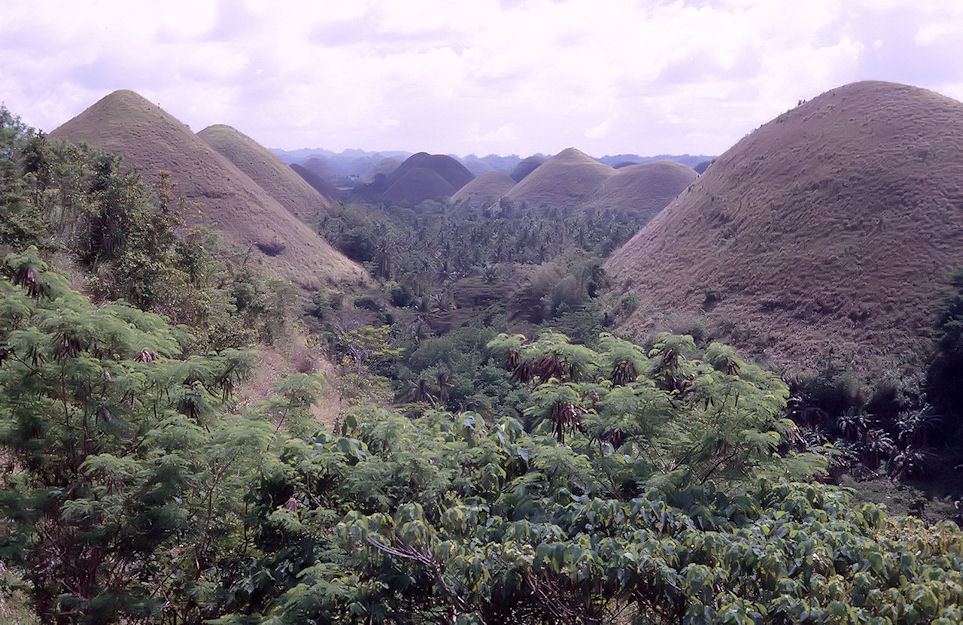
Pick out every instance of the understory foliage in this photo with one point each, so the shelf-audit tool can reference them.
(421, 246)
(446, 519)
(132, 493)
(908, 428)
(118, 464)
(945, 373)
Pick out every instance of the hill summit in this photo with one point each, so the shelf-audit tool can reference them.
(564, 181)
(219, 193)
(424, 176)
(827, 231)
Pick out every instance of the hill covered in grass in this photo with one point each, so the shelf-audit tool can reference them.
(484, 190)
(425, 176)
(217, 192)
(644, 189)
(526, 166)
(564, 181)
(828, 230)
(268, 171)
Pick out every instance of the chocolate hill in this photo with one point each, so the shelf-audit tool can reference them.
(384, 167)
(425, 177)
(268, 171)
(321, 168)
(829, 228)
(484, 190)
(317, 183)
(564, 181)
(220, 194)
(643, 189)
(526, 166)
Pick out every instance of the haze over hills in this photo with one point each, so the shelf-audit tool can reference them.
(479, 165)
(221, 195)
(691, 160)
(320, 185)
(827, 230)
(384, 167)
(322, 169)
(350, 162)
(268, 171)
(354, 164)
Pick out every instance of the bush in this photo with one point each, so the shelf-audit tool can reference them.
(630, 302)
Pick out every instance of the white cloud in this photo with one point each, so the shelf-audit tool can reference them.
(476, 75)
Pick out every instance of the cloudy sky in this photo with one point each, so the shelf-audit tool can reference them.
(463, 76)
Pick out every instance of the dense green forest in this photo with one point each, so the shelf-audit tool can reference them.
(501, 456)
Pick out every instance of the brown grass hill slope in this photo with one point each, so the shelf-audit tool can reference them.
(829, 228)
(526, 166)
(643, 189)
(321, 168)
(320, 185)
(484, 190)
(384, 167)
(564, 181)
(220, 195)
(268, 171)
(425, 176)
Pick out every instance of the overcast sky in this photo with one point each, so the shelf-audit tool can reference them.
(481, 76)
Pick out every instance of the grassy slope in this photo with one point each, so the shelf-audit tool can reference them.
(831, 226)
(384, 167)
(644, 189)
(268, 171)
(526, 166)
(425, 177)
(566, 180)
(223, 196)
(485, 189)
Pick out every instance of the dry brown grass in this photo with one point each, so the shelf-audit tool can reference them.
(566, 180)
(484, 190)
(292, 353)
(830, 227)
(268, 171)
(526, 166)
(643, 189)
(220, 194)
(424, 176)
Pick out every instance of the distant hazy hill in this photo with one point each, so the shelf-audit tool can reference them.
(149, 139)
(320, 185)
(321, 168)
(691, 160)
(425, 177)
(355, 163)
(564, 181)
(268, 171)
(384, 167)
(479, 165)
(484, 190)
(526, 166)
(347, 163)
(829, 228)
(643, 189)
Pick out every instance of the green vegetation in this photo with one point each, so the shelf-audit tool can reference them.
(475, 475)
(945, 375)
